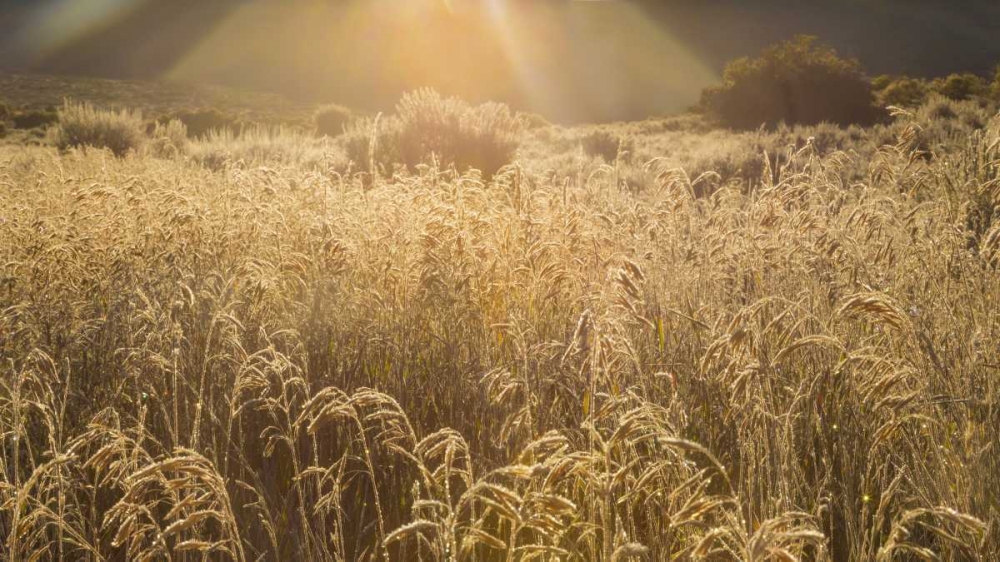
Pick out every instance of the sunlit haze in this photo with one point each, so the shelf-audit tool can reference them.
(571, 60)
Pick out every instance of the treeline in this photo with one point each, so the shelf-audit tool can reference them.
(906, 91)
(802, 81)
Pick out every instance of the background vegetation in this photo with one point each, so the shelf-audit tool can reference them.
(795, 82)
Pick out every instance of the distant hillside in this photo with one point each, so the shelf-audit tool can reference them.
(571, 60)
(153, 98)
(918, 37)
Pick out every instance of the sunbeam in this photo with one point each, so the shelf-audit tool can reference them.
(569, 60)
(55, 25)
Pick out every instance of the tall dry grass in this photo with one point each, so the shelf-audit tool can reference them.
(274, 362)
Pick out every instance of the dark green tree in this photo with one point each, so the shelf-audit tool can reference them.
(795, 82)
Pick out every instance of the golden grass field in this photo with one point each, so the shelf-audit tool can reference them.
(250, 348)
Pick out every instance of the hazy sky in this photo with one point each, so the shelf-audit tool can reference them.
(568, 59)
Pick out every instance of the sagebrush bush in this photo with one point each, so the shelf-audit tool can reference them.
(332, 120)
(881, 82)
(483, 137)
(6, 112)
(370, 142)
(200, 122)
(795, 82)
(35, 118)
(83, 125)
(961, 87)
(428, 127)
(903, 92)
(168, 139)
(940, 107)
(687, 122)
(605, 144)
(534, 120)
(941, 126)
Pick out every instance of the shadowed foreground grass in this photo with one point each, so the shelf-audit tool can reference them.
(274, 361)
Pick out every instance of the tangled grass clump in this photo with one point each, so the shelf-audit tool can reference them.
(266, 362)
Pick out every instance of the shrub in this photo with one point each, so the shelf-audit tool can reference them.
(449, 130)
(82, 125)
(961, 87)
(34, 119)
(903, 92)
(484, 137)
(691, 122)
(332, 120)
(3, 129)
(357, 143)
(6, 112)
(606, 145)
(943, 125)
(881, 82)
(200, 122)
(796, 81)
(534, 120)
(168, 139)
(940, 107)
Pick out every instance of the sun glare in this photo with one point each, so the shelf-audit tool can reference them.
(560, 59)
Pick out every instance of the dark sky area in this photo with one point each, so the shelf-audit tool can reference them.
(572, 60)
